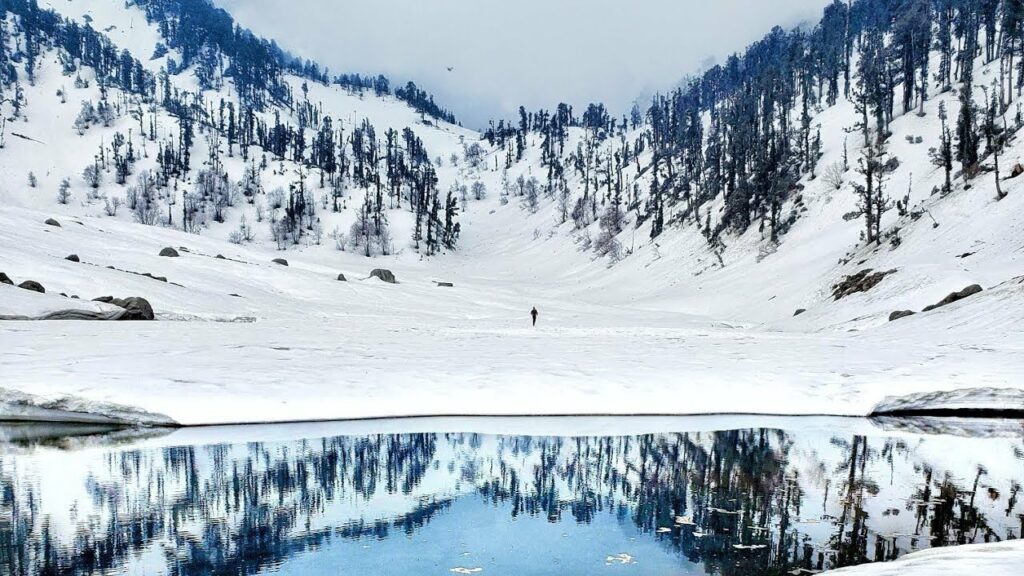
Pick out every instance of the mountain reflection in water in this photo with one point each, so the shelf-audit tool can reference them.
(734, 502)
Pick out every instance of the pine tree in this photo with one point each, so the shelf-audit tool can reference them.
(942, 156)
(873, 201)
(967, 122)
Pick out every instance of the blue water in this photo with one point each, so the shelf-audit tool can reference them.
(472, 534)
(750, 501)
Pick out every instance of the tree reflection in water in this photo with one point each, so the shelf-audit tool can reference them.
(732, 502)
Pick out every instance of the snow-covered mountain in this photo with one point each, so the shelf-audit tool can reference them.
(661, 247)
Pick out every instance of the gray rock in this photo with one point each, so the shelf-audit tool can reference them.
(73, 258)
(157, 278)
(169, 252)
(341, 278)
(955, 297)
(33, 286)
(280, 261)
(138, 309)
(4, 279)
(900, 314)
(799, 312)
(445, 285)
(220, 257)
(860, 282)
(384, 275)
(135, 308)
(52, 222)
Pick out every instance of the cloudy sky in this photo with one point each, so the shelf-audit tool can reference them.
(537, 53)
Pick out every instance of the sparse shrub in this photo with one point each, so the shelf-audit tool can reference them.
(479, 190)
(92, 176)
(244, 233)
(64, 191)
(111, 206)
(834, 175)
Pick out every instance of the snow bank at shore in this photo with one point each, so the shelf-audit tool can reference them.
(999, 559)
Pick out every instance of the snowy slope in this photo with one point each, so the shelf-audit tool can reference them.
(297, 344)
(671, 328)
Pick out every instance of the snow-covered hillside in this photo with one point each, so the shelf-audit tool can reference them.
(677, 323)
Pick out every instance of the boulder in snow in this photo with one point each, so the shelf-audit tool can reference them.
(799, 312)
(169, 252)
(341, 278)
(72, 258)
(955, 297)
(384, 275)
(445, 285)
(220, 257)
(52, 222)
(280, 261)
(33, 286)
(860, 282)
(4, 279)
(135, 308)
(1017, 170)
(900, 314)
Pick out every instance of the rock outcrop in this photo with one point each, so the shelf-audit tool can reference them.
(900, 314)
(955, 297)
(33, 286)
(135, 308)
(860, 282)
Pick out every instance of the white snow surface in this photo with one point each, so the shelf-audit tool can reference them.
(297, 344)
(672, 328)
(997, 559)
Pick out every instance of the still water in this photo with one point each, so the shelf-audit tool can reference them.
(730, 496)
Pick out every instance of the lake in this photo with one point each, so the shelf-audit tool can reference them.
(708, 495)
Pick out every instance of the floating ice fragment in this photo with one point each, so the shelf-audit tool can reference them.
(724, 511)
(619, 559)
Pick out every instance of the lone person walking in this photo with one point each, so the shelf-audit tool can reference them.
(534, 313)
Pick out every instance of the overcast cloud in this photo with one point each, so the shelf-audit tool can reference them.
(537, 53)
